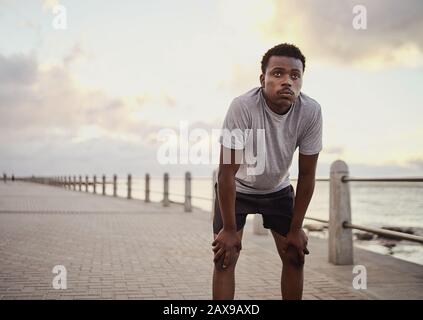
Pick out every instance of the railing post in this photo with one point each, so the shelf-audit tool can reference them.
(129, 186)
(66, 182)
(166, 202)
(340, 238)
(187, 204)
(13, 177)
(4, 178)
(74, 183)
(94, 184)
(70, 182)
(147, 187)
(86, 183)
(114, 185)
(104, 185)
(258, 228)
(80, 183)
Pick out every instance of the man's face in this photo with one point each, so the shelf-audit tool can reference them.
(282, 80)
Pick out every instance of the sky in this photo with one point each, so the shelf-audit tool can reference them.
(93, 97)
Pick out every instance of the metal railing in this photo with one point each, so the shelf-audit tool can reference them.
(340, 226)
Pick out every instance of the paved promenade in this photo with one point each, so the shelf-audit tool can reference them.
(115, 248)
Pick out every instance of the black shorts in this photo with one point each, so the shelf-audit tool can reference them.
(276, 208)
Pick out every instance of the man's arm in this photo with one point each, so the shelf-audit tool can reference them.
(227, 240)
(226, 188)
(305, 188)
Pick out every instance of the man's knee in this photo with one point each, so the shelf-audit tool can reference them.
(292, 259)
(219, 264)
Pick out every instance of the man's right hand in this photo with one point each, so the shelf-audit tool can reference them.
(226, 245)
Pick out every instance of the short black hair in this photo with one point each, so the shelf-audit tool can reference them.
(284, 49)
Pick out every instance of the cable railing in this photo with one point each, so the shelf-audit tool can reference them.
(409, 179)
(339, 223)
(383, 232)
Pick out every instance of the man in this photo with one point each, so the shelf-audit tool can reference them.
(287, 119)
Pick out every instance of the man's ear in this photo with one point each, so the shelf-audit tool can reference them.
(262, 80)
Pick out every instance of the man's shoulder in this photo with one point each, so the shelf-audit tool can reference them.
(308, 104)
(249, 98)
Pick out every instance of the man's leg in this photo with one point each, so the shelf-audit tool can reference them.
(224, 279)
(292, 270)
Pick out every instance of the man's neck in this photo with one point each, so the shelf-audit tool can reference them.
(281, 110)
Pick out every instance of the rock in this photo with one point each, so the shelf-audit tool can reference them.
(389, 244)
(364, 236)
(314, 227)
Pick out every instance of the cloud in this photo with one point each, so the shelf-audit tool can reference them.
(37, 102)
(418, 163)
(241, 77)
(336, 150)
(323, 29)
(75, 54)
(49, 4)
(48, 125)
(18, 69)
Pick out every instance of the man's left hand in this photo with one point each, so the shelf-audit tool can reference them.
(298, 239)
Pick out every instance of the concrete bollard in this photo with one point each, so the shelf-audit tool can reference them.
(147, 187)
(340, 238)
(94, 184)
(114, 185)
(258, 228)
(187, 203)
(104, 185)
(129, 186)
(166, 201)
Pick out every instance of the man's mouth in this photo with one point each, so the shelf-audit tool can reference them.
(285, 92)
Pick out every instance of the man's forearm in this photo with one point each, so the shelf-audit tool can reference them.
(226, 191)
(304, 193)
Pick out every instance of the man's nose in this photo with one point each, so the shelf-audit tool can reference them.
(286, 81)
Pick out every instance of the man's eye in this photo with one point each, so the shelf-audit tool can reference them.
(295, 76)
(277, 74)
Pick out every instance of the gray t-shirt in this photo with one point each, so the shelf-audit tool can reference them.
(268, 139)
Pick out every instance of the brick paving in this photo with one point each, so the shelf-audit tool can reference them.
(114, 248)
